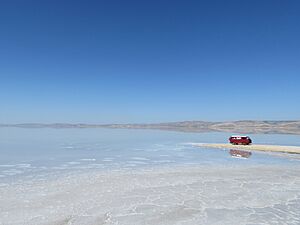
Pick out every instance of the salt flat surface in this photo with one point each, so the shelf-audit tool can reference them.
(98, 176)
(165, 195)
(254, 147)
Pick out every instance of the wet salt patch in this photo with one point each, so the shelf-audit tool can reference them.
(73, 163)
(12, 172)
(140, 158)
(43, 167)
(191, 163)
(159, 145)
(96, 164)
(193, 143)
(107, 159)
(87, 159)
(163, 161)
(68, 147)
(131, 165)
(91, 166)
(138, 149)
(155, 150)
(178, 148)
(8, 165)
(151, 150)
(60, 167)
(138, 162)
(25, 165)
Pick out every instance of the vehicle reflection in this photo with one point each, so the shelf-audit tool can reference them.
(239, 153)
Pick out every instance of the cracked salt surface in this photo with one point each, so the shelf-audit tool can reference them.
(162, 195)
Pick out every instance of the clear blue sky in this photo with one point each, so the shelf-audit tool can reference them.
(149, 61)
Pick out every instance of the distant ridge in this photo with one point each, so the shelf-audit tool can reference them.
(242, 126)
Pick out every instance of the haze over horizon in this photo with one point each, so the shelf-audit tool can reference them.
(147, 62)
(153, 123)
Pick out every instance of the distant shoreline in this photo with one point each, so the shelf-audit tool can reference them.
(237, 127)
(254, 147)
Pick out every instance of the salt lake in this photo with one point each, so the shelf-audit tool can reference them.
(116, 176)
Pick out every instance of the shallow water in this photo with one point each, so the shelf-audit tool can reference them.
(28, 151)
(105, 176)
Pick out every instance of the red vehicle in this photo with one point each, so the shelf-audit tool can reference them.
(243, 140)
